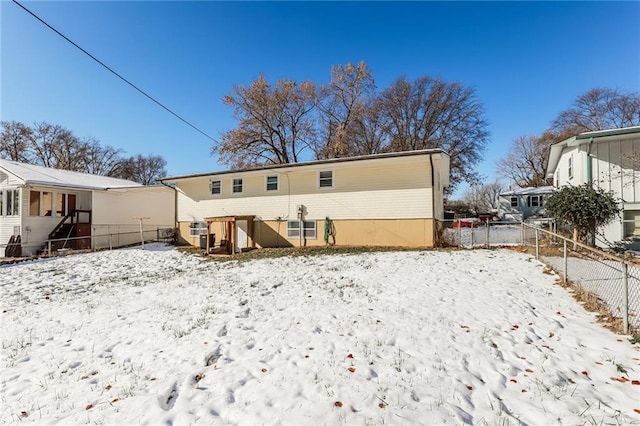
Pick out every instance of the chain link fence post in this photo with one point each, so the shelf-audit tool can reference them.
(625, 298)
(488, 243)
(566, 261)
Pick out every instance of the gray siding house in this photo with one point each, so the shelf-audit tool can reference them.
(523, 203)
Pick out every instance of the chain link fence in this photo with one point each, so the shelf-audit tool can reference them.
(605, 281)
(103, 238)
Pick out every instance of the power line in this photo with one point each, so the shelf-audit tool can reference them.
(115, 73)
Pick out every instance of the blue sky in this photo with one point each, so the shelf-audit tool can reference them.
(526, 60)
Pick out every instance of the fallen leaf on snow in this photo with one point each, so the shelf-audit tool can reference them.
(108, 387)
(350, 356)
(635, 382)
(264, 370)
(528, 370)
(338, 404)
(513, 381)
(351, 369)
(584, 373)
(88, 407)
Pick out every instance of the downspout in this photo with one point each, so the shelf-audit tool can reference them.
(175, 208)
(589, 165)
(590, 238)
(433, 200)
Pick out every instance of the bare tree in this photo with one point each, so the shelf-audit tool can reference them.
(101, 160)
(15, 141)
(600, 109)
(483, 198)
(343, 111)
(431, 113)
(144, 170)
(526, 161)
(275, 124)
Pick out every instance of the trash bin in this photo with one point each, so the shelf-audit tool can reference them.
(203, 241)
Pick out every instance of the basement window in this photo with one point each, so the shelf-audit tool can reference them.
(197, 228)
(309, 231)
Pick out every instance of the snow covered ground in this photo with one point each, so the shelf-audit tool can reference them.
(436, 337)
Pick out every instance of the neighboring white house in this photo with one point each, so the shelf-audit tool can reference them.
(390, 199)
(610, 159)
(40, 204)
(523, 203)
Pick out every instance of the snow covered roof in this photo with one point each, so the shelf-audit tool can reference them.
(535, 190)
(37, 175)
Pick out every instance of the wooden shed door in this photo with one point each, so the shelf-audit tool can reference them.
(242, 234)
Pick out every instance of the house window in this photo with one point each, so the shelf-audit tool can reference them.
(13, 202)
(61, 205)
(34, 203)
(237, 186)
(1, 203)
(534, 201)
(514, 201)
(325, 179)
(309, 231)
(197, 228)
(216, 187)
(272, 183)
(47, 203)
(570, 166)
(40, 203)
(632, 224)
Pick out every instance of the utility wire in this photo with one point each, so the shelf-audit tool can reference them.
(115, 73)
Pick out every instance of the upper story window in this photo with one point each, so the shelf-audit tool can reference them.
(570, 166)
(534, 201)
(272, 183)
(514, 201)
(215, 186)
(325, 179)
(237, 187)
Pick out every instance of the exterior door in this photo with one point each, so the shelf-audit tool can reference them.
(71, 203)
(243, 239)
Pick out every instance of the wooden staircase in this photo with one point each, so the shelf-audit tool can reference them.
(71, 231)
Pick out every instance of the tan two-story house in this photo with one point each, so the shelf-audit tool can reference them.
(392, 199)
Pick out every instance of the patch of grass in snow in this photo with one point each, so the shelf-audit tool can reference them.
(272, 253)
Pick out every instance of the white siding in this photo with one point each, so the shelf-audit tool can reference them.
(117, 213)
(126, 206)
(369, 189)
(383, 204)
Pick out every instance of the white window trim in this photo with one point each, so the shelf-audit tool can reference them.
(211, 187)
(538, 199)
(233, 185)
(202, 230)
(333, 179)
(6, 206)
(306, 229)
(266, 183)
